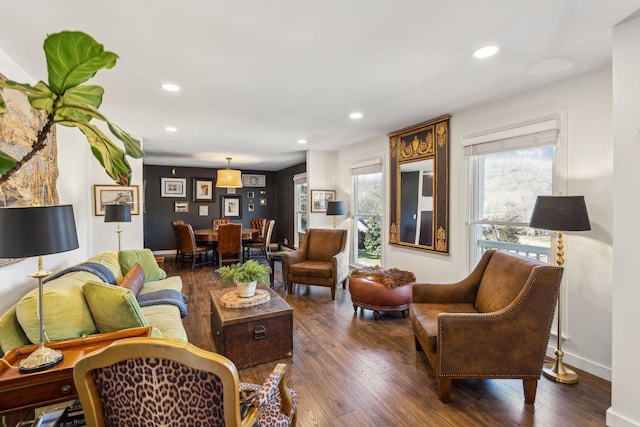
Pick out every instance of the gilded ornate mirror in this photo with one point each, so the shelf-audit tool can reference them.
(419, 216)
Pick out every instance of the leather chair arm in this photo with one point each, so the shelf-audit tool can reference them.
(291, 258)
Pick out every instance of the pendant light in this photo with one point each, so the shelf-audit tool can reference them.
(229, 178)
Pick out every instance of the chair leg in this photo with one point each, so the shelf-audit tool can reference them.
(530, 387)
(333, 292)
(444, 384)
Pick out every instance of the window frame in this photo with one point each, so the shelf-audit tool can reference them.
(373, 166)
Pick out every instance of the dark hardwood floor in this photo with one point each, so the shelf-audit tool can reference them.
(350, 370)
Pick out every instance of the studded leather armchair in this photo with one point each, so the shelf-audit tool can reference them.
(494, 323)
(321, 260)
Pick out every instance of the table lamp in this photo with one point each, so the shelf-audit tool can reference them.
(37, 231)
(336, 208)
(560, 214)
(120, 212)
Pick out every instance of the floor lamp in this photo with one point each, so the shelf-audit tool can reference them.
(117, 213)
(560, 214)
(37, 231)
(336, 208)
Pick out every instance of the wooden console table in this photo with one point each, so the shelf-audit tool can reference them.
(23, 391)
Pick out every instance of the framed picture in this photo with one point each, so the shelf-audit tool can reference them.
(250, 207)
(111, 194)
(203, 189)
(173, 187)
(181, 207)
(250, 180)
(263, 202)
(203, 210)
(231, 206)
(320, 199)
(250, 195)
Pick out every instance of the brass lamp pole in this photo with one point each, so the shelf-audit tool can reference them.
(560, 214)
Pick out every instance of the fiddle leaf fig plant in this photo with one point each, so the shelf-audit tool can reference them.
(73, 58)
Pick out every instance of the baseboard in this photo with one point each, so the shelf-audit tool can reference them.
(165, 252)
(617, 420)
(583, 364)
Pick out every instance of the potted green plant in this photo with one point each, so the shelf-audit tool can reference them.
(246, 276)
(73, 58)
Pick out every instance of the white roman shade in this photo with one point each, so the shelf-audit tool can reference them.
(366, 167)
(536, 134)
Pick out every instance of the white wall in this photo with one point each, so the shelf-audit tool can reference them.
(322, 175)
(585, 101)
(78, 171)
(625, 387)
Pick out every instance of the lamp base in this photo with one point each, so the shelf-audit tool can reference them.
(41, 359)
(559, 373)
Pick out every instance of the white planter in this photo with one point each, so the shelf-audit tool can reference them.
(247, 289)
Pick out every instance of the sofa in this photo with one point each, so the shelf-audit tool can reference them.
(79, 301)
(494, 323)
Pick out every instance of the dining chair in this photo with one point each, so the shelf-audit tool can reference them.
(262, 244)
(259, 224)
(133, 382)
(175, 232)
(189, 249)
(215, 222)
(229, 244)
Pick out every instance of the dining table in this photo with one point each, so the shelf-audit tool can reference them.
(211, 234)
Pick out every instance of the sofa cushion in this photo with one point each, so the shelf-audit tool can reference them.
(134, 279)
(502, 281)
(166, 319)
(110, 260)
(66, 313)
(312, 268)
(424, 318)
(113, 307)
(145, 258)
(11, 334)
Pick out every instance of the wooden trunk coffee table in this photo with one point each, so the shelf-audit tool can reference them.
(253, 335)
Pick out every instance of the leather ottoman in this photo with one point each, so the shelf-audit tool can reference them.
(371, 290)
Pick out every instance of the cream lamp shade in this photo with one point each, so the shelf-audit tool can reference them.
(229, 178)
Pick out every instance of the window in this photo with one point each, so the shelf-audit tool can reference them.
(507, 173)
(301, 207)
(367, 213)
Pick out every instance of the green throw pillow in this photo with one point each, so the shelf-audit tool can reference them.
(145, 258)
(113, 308)
(66, 313)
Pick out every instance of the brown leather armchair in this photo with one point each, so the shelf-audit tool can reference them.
(321, 260)
(494, 323)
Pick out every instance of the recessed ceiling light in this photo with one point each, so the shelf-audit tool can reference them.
(355, 115)
(485, 52)
(302, 141)
(171, 129)
(170, 87)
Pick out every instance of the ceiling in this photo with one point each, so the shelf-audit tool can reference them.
(256, 75)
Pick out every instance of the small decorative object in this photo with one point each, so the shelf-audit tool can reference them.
(231, 206)
(173, 187)
(246, 276)
(320, 199)
(104, 195)
(263, 202)
(249, 180)
(203, 190)
(203, 210)
(250, 207)
(250, 195)
(73, 58)
(118, 213)
(181, 207)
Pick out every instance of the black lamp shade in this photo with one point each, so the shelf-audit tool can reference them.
(34, 231)
(336, 208)
(560, 213)
(117, 213)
